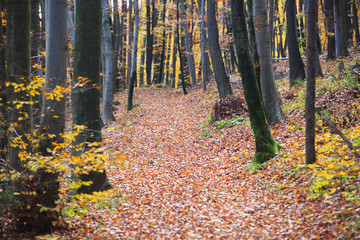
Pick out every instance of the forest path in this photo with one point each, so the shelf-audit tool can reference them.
(184, 181)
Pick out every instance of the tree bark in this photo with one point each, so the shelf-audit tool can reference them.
(266, 146)
(329, 25)
(202, 37)
(296, 64)
(108, 84)
(187, 44)
(85, 100)
(134, 57)
(18, 72)
(310, 82)
(149, 43)
(222, 80)
(268, 87)
(340, 28)
(3, 96)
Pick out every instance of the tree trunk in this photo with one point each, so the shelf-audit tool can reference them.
(130, 39)
(202, 37)
(71, 27)
(179, 47)
(222, 80)
(163, 50)
(85, 100)
(271, 26)
(329, 25)
(340, 28)
(356, 23)
(53, 111)
(187, 44)
(18, 72)
(35, 59)
(268, 87)
(134, 57)
(108, 84)
(296, 64)
(3, 96)
(149, 44)
(266, 146)
(310, 82)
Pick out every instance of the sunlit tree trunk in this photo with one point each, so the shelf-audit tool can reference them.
(187, 44)
(267, 80)
(296, 64)
(18, 72)
(266, 146)
(85, 104)
(222, 80)
(134, 57)
(310, 82)
(108, 94)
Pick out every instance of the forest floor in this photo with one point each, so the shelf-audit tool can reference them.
(179, 177)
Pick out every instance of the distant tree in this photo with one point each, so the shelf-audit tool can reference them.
(18, 72)
(187, 43)
(85, 100)
(296, 64)
(108, 85)
(203, 36)
(266, 145)
(134, 57)
(329, 25)
(267, 80)
(222, 80)
(149, 42)
(340, 28)
(311, 53)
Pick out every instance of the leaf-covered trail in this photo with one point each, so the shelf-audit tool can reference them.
(180, 183)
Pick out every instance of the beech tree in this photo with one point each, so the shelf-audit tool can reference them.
(86, 99)
(267, 80)
(187, 43)
(296, 64)
(310, 82)
(18, 72)
(221, 78)
(134, 57)
(266, 146)
(108, 84)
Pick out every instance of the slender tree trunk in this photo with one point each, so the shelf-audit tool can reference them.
(329, 25)
(356, 23)
(108, 85)
(85, 104)
(123, 48)
(116, 43)
(203, 36)
(271, 26)
(222, 80)
(267, 80)
(142, 63)
(179, 47)
(18, 72)
(310, 83)
(149, 44)
(296, 64)
(134, 57)
(266, 146)
(130, 39)
(163, 50)
(187, 44)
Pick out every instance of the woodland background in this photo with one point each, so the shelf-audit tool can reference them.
(179, 119)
